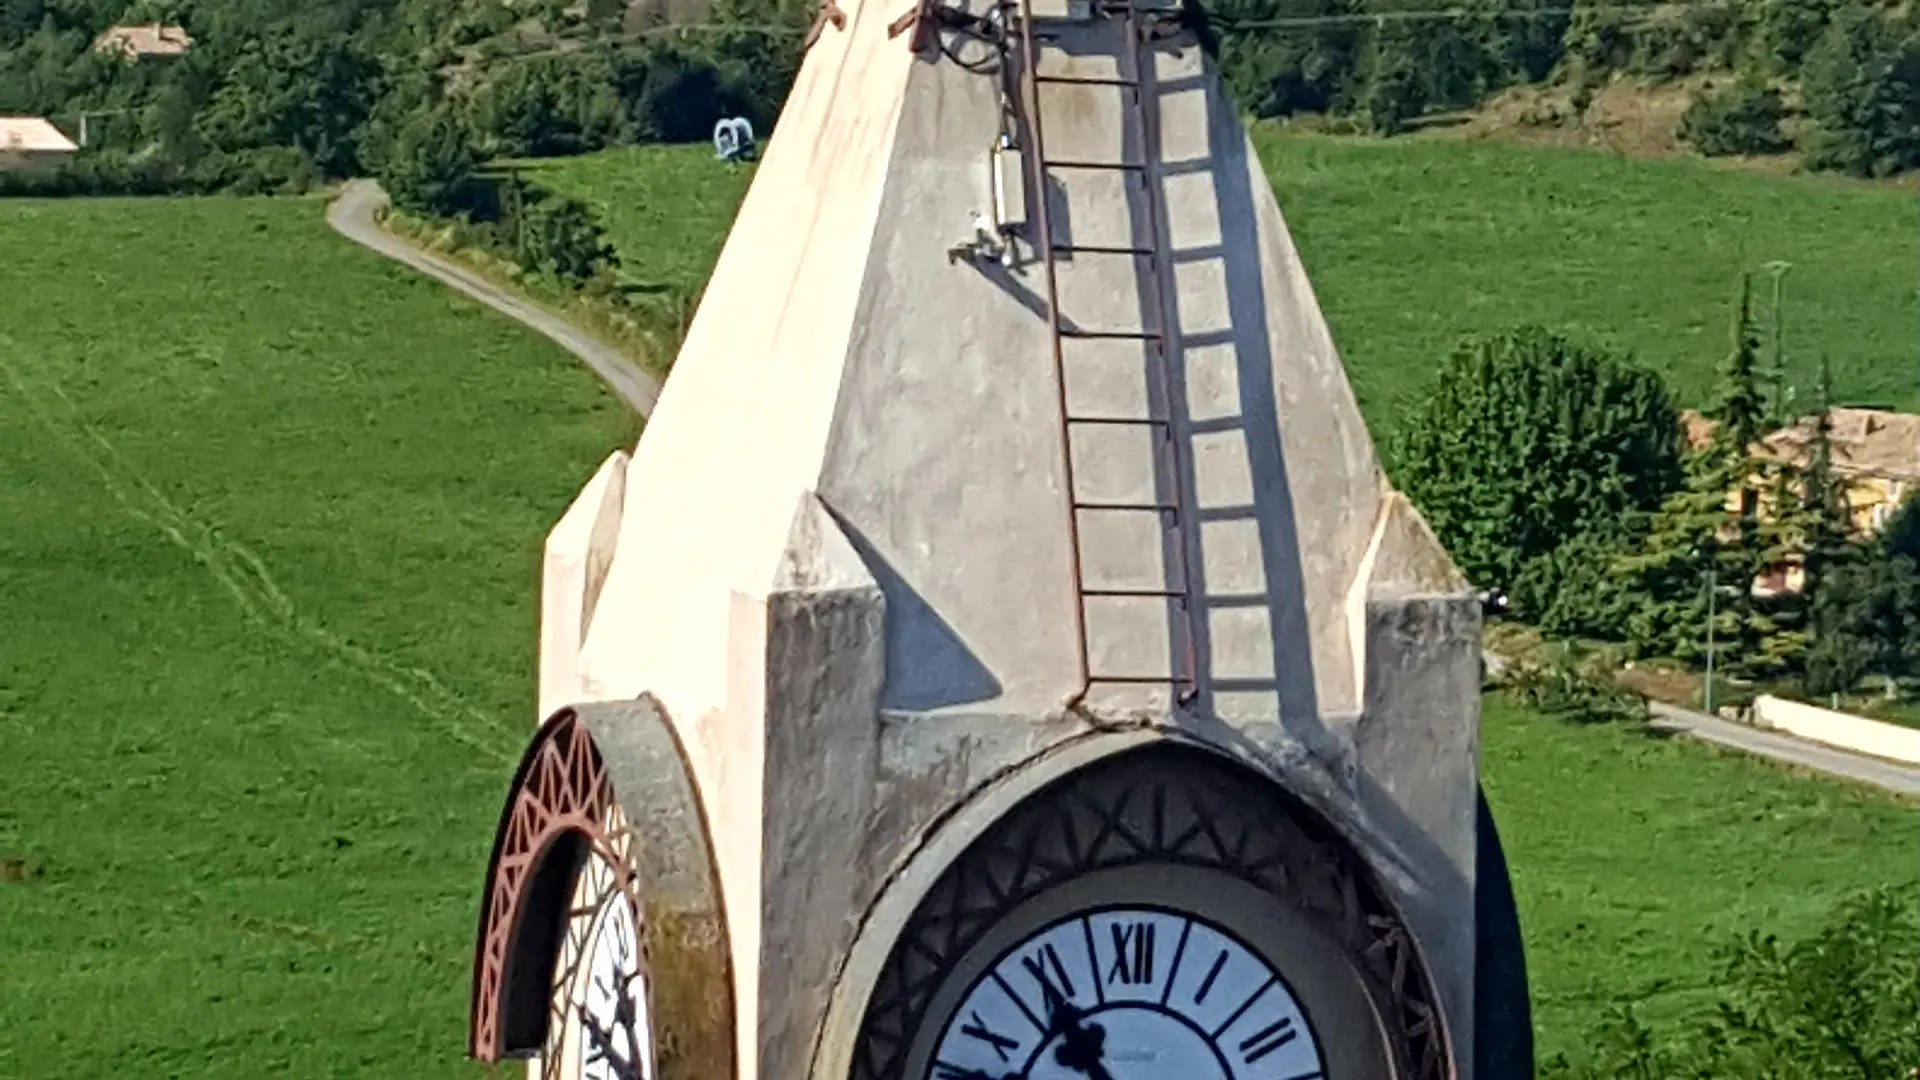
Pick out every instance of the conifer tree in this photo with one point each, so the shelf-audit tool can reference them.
(1823, 497)
(1711, 532)
(1741, 411)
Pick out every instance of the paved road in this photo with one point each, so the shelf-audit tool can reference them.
(1891, 776)
(352, 216)
(1894, 777)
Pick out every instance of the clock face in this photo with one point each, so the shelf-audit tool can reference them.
(612, 1007)
(1129, 991)
(1160, 915)
(599, 1021)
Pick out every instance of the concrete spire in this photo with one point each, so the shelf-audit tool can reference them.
(842, 562)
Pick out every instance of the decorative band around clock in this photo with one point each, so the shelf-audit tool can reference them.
(587, 765)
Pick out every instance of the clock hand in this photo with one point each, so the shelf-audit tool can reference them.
(984, 1075)
(1082, 1046)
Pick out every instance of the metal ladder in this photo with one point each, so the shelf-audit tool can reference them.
(1184, 675)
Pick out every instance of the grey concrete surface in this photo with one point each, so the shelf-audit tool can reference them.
(352, 215)
(1886, 775)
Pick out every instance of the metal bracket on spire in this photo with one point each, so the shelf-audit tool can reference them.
(928, 16)
(915, 20)
(829, 13)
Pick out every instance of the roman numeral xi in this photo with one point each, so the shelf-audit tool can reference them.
(1037, 966)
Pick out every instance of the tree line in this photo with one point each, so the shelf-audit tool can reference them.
(280, 94)
(1561, 477)
(1849, 72)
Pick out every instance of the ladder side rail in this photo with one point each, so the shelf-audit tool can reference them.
(1037, 169)
(1144, 80)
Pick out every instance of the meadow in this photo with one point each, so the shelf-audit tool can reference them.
(1412, 245)
(272, 508)
(268, 554)
(1635, 858)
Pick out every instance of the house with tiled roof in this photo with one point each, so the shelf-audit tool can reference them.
(144, 41)
(1875, 460)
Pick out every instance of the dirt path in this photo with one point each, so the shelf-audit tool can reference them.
(352, 216)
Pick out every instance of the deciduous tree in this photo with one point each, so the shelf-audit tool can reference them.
(1528, 440)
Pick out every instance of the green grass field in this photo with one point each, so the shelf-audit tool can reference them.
(1635, 857)
(272, 509)
(1412, 245)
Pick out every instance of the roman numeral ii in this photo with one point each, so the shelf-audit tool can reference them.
(1267, 1039)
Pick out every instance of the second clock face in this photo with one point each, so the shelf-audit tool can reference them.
(613, 1006)
(1128, 993)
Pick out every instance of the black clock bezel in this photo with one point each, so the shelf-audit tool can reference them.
(1168, 806)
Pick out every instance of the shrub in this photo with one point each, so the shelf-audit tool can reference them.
(1842, 1002)
(1681, 40)
(1788, 28)
(1279, 74)
(1740, 119)
(268, 170)
(1862, 88)
(429, 169)
(551, 106)
(94, 173)
(1666, 42)
(1581, 690)
(559, 236)
(677, 96)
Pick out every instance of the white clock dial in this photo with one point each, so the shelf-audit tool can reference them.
(600, 1024)
(616, 1039)
(1128, 993)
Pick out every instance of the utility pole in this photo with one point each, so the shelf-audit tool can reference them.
(1711, 589)
(1777, 409)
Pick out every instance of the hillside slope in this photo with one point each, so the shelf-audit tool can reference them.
(1413, 243)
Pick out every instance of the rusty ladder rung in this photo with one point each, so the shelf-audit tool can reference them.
(1129, 508)
(1120, 421)
(1113, 335)
(1100, 249)
(1110, 166)
(1086, 80)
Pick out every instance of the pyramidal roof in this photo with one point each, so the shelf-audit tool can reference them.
(1138, 462)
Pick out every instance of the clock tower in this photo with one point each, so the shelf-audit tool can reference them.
(1003, 656)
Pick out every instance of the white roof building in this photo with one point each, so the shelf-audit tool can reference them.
(31, 140)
